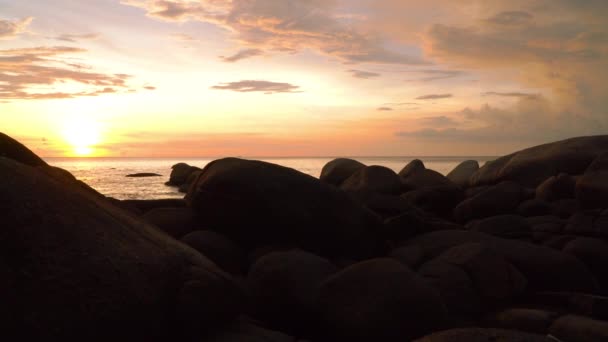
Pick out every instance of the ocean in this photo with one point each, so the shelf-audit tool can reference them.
(108, 175)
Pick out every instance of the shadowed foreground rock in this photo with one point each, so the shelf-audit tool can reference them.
(484, 335)
(257, 203)
(73, 267)
(338, 170)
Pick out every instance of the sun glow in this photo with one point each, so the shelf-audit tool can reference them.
(82, 135)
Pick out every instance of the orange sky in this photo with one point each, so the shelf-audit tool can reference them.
(177, 78)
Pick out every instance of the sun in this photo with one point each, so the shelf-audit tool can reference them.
(82, 135)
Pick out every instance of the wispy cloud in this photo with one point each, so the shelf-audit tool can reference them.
(363, 74)
(435, 75)
(511, 94)
(434, 97)
(242, 54)
(510, 18)
(384, 109)
(258, 86)
(9, 29)
(73, 38)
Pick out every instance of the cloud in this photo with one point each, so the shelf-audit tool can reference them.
(40, 73)
(73, 38)
(434, 97)
(242, 54)
(182, 37)
(258, 86)
(437, 121)
(384, 109)
(149, 87)
(363, 74)
(284, 26)
(9, 29)
(511, 18)
(511, 94)
(435, 75)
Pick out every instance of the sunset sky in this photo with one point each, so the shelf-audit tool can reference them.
(145, 78)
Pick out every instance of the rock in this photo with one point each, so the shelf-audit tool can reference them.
(439, 200)
(556, 188)
(379, 300)
(218, 248)
(483, 335)
(246, 330)
(415, 166)
(592, 187)
(410, 256)
(12, 149)
(565, 208)
(575, 303)
(183, 188)
(472, 192)
(505, 226)
(578, 328)
(463, 172)
(180, 173)
(528, 320)
(378, 179)
(414, 222)
(176, 222)
(416, 178)
(77, 268)
(548, 224)
(594, 253)
(338, 170)
(588, 223)
(493, 279)
(284, 287)
(545, 269)
(532, 166)
(147, 205)
(257, 203)
(503, 198)
(143, 175)
(385, 206)
(534, 207)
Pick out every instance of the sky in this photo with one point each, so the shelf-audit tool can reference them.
(194, 78)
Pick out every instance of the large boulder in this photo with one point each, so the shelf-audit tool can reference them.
(440, 200)
(579, 328)
(218, 248)
(257, 203)
(592, 187)
(503, 198)
(522, 319)
(545, 268)
(379, 300)
(461, 175)
(556, 188)
(74, 267)
(505, 226)
(12, 149)
(532, 166)
(180, 173)
(412, 222)
(176, 222)
(484, 335)
(247, 330)
(416, 176)
(594, 253)
(373, 178)
(284, 287)
(338, 170)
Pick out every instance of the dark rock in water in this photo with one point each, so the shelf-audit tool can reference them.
(578, 328)
(180, 173)
(439, 200)
(146, 205)
(534, 207)
(246, 330)
(218, 248)
(528, 320)
(412, 167)
(374, 178)
(592, 187)
(532, 166)
(12, 149)
(284, 286)
(490, 277)
(257, 203)
(379, 300)
(503, 198)
(183, 188)
(338, 170)
(594, 253)
(143, 175)
(505, 226)
(545, 268)
(483, 335)
(176, 222)
(461, 175)
(75, 267)
(556, 188)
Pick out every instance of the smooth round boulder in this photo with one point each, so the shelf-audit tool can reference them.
(180, 173)
(483, 335)
(532, 166)
(503, 198)
(145, 206)
(247, 330)
(534, 207)
(218, 248)
(439, 200)
(338, 170)
(592, 187)
(176, 222)
(594, 253)
(579, 328)
(413, 222)
(379, 300)
(463, 172)
(373, 178)
(75, 267)
(256, 203)
(505, 226)
(522, 319)
(556, 188)
(412, 167)
(12, 149)
(284, 286)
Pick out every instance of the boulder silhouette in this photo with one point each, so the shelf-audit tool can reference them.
(484, 335)
(462, 173)
(180, 173)
(338, 170)
(556, 188)
(257, 203)
(74, 267)
(592, 187)
(218, 248)
(374, 178)
(503, 198)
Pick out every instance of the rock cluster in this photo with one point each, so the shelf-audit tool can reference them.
(516, 250)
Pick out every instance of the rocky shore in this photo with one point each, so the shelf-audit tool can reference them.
(515, 250)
